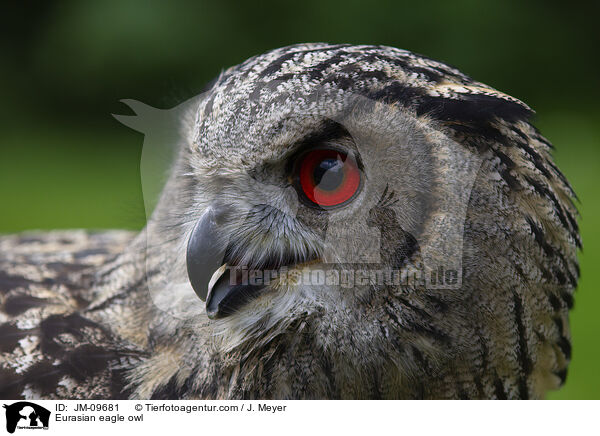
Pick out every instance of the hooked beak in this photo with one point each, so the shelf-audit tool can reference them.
(209, 274)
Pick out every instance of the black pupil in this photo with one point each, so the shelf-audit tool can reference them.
(329, 174)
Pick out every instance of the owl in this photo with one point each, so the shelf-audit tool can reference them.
(338, 222)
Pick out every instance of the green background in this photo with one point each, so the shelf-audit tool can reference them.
(64, 66)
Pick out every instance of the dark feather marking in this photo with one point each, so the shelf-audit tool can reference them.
(276, 65)
(568, 299)
(506, 174)
(523, 351)
(125, 292)
(562, 375)
(405, 251)
(87, 360)
(440, 305)
(17, 304)
(565, 346)
(540, 237)
(397, 245)
(118, 383)
(55, 325)
(421, 360)
(168, 391)
(73, 323)
(26, 239)
(317, 71)
(43, 376)
(81, 254)
(365, 75)
(392, 315)
(433, 74)
(81, 363)
(559, 325)
(485, 361)
(554, 302)
(572, 278)
(10, 335)
(430, 74)
(473, 114)
(9, 282)
(499, 389)
(477, 108)
(565, 218)
(546, 275)
(106, 273)
(560, 277)
(375, 382)
(396, 92)
(346, 83)
(523, 388)
(66, 268)
(520, 272)
(10, 384)
(427, 329)
(70, 275)
(479, 386)
(537, 160)
(520, 133)
(485, 353)
(396, 343)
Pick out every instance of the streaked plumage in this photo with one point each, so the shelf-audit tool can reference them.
(88, 315)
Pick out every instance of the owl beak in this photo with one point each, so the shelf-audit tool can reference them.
(227, 292)
(205, 250)
(210, 277)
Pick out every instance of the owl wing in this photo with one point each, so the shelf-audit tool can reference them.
(48, 347)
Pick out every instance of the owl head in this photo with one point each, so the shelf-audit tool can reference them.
(371, 209)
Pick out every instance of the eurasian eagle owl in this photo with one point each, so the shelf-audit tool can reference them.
(338, 222)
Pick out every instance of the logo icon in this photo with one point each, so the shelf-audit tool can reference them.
(26, 415)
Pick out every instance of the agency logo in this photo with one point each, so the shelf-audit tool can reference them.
(26, 415)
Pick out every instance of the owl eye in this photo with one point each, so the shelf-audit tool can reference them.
(328, 177)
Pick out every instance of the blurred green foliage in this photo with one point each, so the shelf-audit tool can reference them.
(66, 163)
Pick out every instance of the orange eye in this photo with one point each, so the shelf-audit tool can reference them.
(329, 177)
